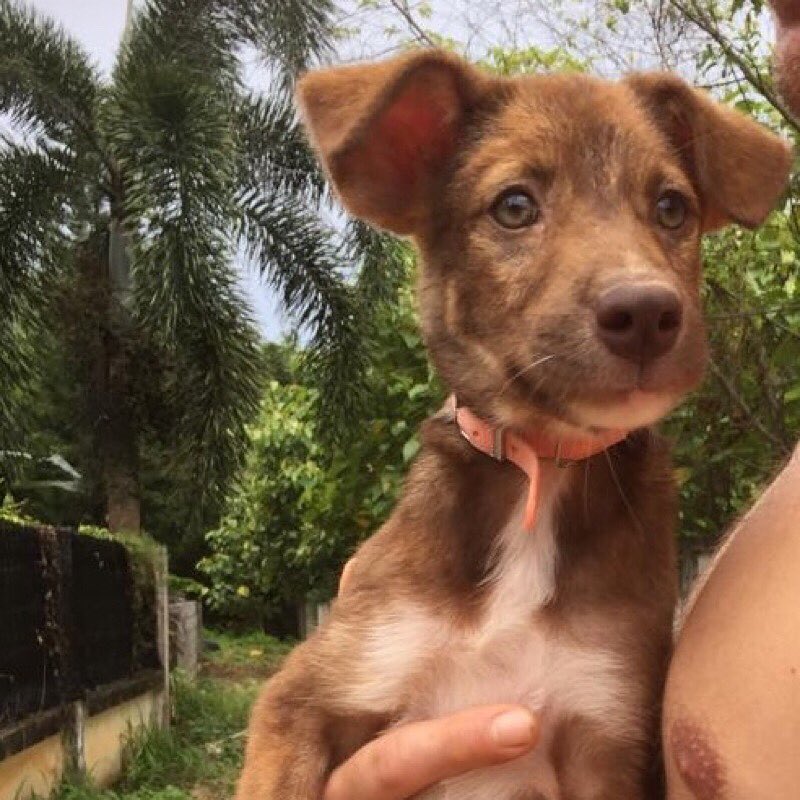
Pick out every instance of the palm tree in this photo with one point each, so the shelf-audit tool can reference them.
(141, 191)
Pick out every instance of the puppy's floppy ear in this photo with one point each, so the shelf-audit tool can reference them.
(738, 167)
(384, 130)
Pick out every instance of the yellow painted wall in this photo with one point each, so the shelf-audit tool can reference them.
(38, 769)
(107, 732)
(33, 771)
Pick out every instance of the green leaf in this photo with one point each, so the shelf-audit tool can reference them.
(792, 395)
(410, 449)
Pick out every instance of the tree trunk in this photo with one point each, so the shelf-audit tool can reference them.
(118, 437)
(118, 440)
(108, 344)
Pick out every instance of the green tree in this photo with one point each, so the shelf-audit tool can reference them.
(298, 510)
(264, 554)
(123, 205)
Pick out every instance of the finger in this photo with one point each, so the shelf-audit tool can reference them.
(411, 758)
(346, 573)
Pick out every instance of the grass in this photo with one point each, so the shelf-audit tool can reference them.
(243, 656)
(199, 757)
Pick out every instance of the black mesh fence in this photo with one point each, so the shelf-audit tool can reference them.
(101, 597)
(72, 617)
(27, 672)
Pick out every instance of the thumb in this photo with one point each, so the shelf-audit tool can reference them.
(408, 759)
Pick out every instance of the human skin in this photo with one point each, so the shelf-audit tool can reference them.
(787, 51)
(732, 703)
(410, 758)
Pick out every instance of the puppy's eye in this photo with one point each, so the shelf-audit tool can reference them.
(671, 210)
(515, 209)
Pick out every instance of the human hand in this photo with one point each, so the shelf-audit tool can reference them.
(410, 758)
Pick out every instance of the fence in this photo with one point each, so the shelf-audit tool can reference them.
(82, 631)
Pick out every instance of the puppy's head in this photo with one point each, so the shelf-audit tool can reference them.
(558, 219)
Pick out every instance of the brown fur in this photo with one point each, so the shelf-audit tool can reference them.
(423, 145)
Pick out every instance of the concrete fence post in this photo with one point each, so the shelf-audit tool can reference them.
(162, 632)
(73, 737)
(311, 615)
(186, 625)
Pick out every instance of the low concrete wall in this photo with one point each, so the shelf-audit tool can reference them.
(89, 729)
(34, 771)
(108, 732)
(98, 745)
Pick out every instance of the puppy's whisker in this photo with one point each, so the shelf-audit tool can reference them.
(537, 362)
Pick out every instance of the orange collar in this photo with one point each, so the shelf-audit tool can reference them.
(525, 449)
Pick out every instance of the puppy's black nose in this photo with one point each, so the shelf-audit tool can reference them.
(639, 322)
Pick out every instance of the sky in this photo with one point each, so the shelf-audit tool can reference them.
(98, 24)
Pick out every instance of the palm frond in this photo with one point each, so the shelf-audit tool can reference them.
(196, 36)
(33, 213)
(32, 210)
(47, 84)
(291, 34)
(16, 367)
(383, 262)
(297, 256)
(301, 259)
(216, 391)
(171, 134)
(274, 151)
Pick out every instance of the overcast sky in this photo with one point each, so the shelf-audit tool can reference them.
(97, 24)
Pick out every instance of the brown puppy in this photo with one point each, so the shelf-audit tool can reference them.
(558, 221)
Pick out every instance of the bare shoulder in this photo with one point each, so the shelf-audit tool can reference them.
(732, 706)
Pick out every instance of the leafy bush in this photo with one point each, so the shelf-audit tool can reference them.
(11, 511)
(745, 418)
(300, 510)
(265, 551)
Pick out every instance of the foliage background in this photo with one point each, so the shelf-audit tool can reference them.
(301, 502)
(300, 508)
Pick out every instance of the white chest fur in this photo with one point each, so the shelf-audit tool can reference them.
(510, 656)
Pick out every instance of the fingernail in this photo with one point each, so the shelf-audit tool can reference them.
(513, 728)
